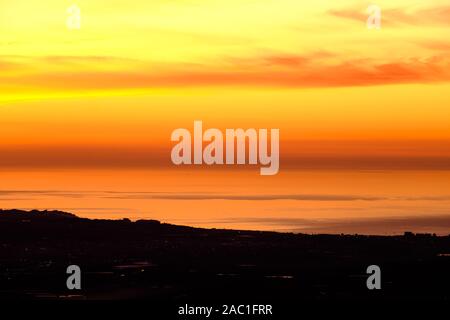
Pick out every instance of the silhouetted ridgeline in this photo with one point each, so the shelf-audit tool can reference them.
(148, 259)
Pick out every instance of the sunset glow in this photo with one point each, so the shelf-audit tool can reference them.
(364, 115)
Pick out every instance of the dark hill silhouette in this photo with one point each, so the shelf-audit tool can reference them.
(149, 259)
(33, 214)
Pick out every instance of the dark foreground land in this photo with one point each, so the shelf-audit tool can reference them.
(151, 260)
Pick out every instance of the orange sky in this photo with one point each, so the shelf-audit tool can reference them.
(108, 95)
(133, 73)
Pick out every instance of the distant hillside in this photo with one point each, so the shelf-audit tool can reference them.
(147, 259)
(22, 214)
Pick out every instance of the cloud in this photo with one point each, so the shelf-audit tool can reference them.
(384, 155)
(182, 196)
(234, 197)
(436, 15)
(99, 156)
(266, 197)
(287, 60)
(8, 194)
(30, 194)
(271, 70)
(355, 14)
(436, 45)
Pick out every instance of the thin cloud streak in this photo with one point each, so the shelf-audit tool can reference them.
(267, 71)
(5, 194)
(271, 197)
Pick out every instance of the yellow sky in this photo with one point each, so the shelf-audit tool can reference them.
(136, 44)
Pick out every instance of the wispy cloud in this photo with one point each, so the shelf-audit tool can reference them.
(14, 194)
(436, 45)
(401, 155)
(274, 70)
(234, 197)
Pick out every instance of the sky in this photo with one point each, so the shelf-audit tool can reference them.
(363, 113)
